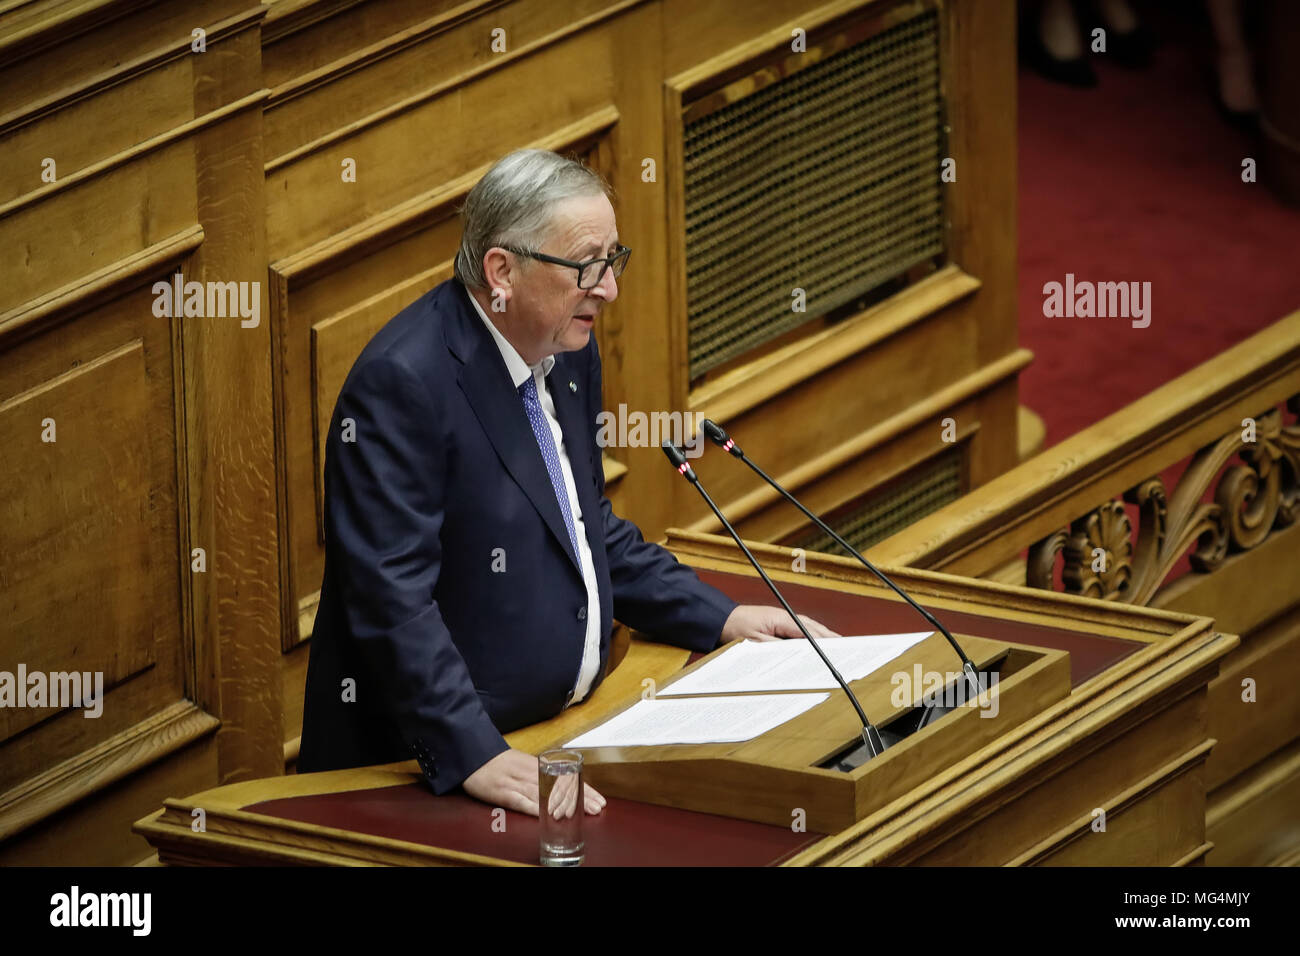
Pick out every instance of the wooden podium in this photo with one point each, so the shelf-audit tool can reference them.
(782, 774)
(1095, 756)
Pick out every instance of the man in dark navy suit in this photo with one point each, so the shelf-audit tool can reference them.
(473, 564)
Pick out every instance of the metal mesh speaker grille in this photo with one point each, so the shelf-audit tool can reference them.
(826, 181)
(915, 494)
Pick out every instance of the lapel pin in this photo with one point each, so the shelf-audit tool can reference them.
(573, 386)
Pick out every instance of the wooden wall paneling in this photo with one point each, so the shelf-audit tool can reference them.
(82, 331)
(698, 32)
(1256, 722)
(768, 376)
(293, 675)
(981, 205)
(392, 76)
(1252, 819)
(50, 56)
(1236, 593)
(217, 163)
(103, 284)
(634, 334)
(610, 337)
(90, 515)
(96, 525)
(392, 148)
(97, 832)
(134, 107)
(301, 37)
(998, 405)
(366, 81)
(68, 226)
(844, 412)
(230, 455)
(97, 767)
(768, 517)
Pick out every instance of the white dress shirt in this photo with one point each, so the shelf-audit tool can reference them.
(519, 371)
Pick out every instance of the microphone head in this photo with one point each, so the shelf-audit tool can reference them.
(719, 437)
(714, 431)
(678, 458)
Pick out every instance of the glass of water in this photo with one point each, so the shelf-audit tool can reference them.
(560, 807)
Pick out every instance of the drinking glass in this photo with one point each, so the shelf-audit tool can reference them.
(560, 807)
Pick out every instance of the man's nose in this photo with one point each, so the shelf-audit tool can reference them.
(607, 287)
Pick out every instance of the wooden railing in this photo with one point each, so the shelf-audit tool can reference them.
(1070, 497)
(1231, 513)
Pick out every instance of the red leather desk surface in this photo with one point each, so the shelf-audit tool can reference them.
(1090, 654)
(625, 833)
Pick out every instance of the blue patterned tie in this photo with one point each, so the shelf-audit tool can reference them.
(545, 442)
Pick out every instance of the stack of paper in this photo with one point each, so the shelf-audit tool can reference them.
(751, 670)
(751, 666)
(697, 720)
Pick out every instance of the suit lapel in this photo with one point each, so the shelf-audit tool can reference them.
(486, 384)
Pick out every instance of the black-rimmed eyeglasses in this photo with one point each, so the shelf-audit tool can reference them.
(590, 271)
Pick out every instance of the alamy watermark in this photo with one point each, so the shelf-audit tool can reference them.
(130, 910)
(210, 300)
(944, 689)
(1102, 300)
(53, 689)
(639, 429)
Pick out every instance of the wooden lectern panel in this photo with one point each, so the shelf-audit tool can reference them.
(781, 773)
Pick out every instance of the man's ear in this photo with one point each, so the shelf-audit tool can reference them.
(499, 268)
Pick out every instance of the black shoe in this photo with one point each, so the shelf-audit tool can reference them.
(1076, 72)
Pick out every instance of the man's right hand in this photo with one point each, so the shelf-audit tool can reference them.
(510, 780)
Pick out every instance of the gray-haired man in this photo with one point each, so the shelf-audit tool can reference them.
(473, 565)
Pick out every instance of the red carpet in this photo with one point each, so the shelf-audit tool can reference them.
(1139, 180)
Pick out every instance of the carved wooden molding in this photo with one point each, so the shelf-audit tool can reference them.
(95, 769)
(39, 29)
(912, 417)
(166, 138)
(287, 17)
(440, 89)
(122, 72)
(774, 373)
(379, 50)
(89, 291)
(1253, 497)
(418, 212)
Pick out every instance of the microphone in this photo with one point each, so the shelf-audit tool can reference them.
(870, 735)
(720, 438)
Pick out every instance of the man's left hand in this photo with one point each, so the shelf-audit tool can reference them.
(758, 622)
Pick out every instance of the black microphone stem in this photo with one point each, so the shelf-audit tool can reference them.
(968, 667)
(870, 735)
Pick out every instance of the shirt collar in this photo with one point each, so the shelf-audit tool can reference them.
(519, 369)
